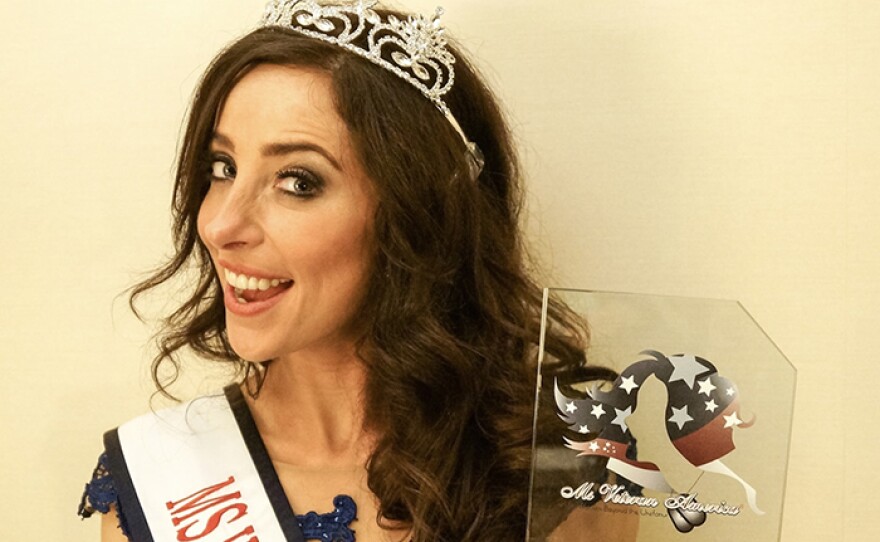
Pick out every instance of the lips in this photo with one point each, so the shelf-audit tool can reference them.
(250, 294)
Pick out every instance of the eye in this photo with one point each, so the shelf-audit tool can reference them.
(222, 169)
(299, 183)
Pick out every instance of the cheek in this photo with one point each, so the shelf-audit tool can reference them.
(361, 266)
(335, 259)
(343, 253)
(360, 244)
(355, 267)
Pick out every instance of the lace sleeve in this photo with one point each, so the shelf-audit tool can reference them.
(100, 494)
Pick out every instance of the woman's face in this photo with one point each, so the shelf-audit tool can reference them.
(288, 216)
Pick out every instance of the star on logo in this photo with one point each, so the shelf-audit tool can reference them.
(620, 419)
(730, 392)
(707, 387)
(570, 407)
(597, 411)
(680, 416)
(732, 420)
(711, 406)
(593, 446)
(686, 368)
(583, 429)
(628, 383)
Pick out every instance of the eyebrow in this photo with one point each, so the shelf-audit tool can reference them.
(283, 149)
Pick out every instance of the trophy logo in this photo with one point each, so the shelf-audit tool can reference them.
(702, 411)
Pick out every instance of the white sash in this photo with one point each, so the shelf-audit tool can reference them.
(195, 477)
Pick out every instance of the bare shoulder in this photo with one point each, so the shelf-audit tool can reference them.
(110, 531)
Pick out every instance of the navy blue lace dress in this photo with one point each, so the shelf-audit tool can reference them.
(100, 494)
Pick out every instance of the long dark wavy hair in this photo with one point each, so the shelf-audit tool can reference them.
(451, 317)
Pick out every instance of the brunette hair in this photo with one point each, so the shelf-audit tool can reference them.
(451, 317)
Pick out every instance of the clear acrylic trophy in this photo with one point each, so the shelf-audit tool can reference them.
(685, 438)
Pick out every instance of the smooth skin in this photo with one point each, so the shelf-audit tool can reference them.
(289, 199)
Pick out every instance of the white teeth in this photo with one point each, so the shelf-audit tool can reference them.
(238, 296)
(243, 282)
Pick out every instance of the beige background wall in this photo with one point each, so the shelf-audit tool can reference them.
(723, 149)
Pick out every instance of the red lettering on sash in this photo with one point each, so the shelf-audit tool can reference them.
(205, 502)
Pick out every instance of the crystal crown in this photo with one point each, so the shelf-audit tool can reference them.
(414, 49)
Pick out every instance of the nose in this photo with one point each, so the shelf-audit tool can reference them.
(229, 218)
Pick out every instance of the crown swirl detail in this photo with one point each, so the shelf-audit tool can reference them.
(416, 46)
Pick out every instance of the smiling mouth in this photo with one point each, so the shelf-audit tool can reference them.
(249, 289)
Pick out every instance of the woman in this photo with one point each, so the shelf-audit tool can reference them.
(359, 256)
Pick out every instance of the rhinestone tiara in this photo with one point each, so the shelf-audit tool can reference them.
(416, 46)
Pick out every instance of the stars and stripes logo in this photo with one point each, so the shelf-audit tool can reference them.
(702, 412)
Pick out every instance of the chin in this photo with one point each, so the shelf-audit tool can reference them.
(250, 348)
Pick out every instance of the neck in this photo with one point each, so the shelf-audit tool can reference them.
(310, 410)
